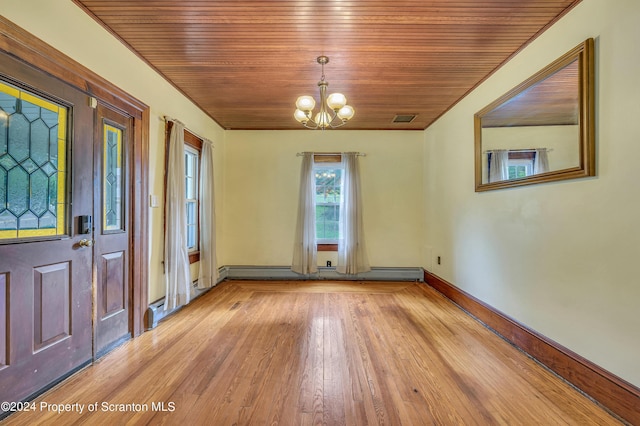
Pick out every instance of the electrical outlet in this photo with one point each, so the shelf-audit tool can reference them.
(328, 264)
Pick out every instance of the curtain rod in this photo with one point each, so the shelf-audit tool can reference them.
(167, 118)
(324, 154)
(520, 150)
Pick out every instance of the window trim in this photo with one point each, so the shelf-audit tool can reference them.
(323, 159)
(193, 141)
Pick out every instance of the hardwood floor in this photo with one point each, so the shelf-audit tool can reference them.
(304, 353)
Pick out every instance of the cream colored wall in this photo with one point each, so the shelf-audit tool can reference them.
(262, 180)
(67, 28)
(559, 257)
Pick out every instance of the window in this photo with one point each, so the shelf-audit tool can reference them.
(191, 161)
(520, 168)
(519, 164)
(192, 150)
(328, 173)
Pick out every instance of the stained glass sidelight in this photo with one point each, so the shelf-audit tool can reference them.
(112, 179)
(33, 144)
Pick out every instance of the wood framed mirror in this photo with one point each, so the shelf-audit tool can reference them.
(543, 130)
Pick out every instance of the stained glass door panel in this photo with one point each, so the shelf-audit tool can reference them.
(112, 178)
(33, 146)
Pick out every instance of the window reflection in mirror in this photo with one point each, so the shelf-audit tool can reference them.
(541, 130)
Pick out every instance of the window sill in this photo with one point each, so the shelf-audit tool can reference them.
(327, 247)
(194, 257)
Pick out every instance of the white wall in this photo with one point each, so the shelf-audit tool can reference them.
(559, 257)
(262, 177)
(67, 28)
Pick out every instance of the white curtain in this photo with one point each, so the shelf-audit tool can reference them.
(499, 165)
(176, 257)
(305, 251)
(352, 255)
(541, 162)
(208, 275)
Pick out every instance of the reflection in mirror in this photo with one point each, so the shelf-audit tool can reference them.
(542, 130)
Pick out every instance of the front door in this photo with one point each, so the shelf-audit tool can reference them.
(113, 291)
(46, 200)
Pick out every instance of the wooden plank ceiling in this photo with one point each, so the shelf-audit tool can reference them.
(245, 62)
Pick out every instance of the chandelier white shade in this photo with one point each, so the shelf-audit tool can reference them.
(305, 103)
(334, 111)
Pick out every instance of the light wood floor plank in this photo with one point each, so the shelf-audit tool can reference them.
(313, 353)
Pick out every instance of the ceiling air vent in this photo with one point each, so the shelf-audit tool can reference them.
(403, 118)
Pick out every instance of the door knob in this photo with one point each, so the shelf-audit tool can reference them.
(85, 243)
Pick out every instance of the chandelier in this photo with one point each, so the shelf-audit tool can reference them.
(334, 111)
